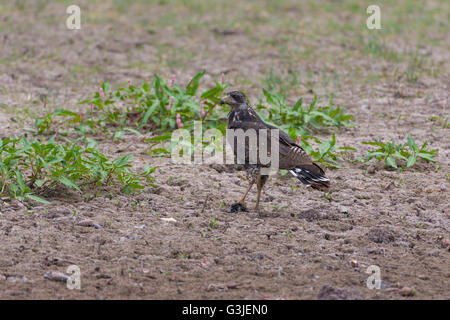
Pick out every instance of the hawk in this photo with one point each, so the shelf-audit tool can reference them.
(291, 156)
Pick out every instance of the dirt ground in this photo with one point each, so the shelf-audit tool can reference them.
(301, 245)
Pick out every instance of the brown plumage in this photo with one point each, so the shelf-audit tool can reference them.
(291, 156)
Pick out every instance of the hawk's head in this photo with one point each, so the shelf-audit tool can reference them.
(234, 99)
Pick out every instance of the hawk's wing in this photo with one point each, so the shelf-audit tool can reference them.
(292, 155)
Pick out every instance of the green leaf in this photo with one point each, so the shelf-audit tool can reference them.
(426, 156)
(192, 86)
(118, 134)
(391, 162)
(297, 105)
(374, 143)
(411, 143)
(134, 131)
(39, 183)
(159, 150)
(400, 156)
(122, 162)
(347, 148)
(20, 180)
(68, 183)
(149, 112)
(211, 93)
(269, 97)
(411, 161)
(324, 148)
(36, 198)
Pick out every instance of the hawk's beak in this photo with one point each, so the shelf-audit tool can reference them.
(225, 100)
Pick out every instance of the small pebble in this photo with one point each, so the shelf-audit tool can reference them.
(407, 291)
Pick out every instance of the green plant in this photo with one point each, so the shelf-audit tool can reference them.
(213, 223)
(45, 124)
(390, 152)
(30, 167)
(303, 119)
(288, 234)
(415, 64)
(440, 121)
(156, 105)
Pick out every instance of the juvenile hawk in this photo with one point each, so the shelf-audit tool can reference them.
(291, 156)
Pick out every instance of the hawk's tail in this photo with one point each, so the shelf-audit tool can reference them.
(311, 175)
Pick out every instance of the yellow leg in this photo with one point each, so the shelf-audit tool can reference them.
(242, 201)
(260, 184)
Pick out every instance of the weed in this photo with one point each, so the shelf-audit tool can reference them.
(46, 123)
(327, 151)
(29, 167)
(414, 66)
(288, 234)
(213, 223)
(157, 105)
(302, 120)
(390, 152)
(440, 121)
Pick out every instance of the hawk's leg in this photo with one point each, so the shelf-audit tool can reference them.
(250, 185)
(260, 181)
(240, 206)
(251, 178)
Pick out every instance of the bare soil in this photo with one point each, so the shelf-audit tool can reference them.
(301, 245)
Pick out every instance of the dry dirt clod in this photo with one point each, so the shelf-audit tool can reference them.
(222, 286)
(56, 276)
(371, 169)
(334, 293)
(445, 243)
(381, 235)
(407, 291)
(89, 223)
(56, 261)
(205, 263)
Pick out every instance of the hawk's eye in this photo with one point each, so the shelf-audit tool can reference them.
(237, 96)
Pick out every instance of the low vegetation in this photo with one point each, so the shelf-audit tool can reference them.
(400, 155)
(31, 167)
